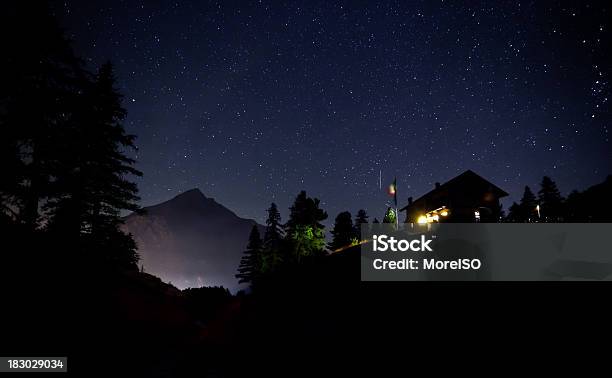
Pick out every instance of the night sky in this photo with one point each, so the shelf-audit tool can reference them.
(252, 102)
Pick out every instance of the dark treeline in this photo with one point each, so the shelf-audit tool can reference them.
(302, 238)
(299, 241)
(548, 205)
(65, 167)
(66, 179)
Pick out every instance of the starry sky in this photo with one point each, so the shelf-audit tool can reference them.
(253, 101)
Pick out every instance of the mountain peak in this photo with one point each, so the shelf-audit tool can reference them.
(191, 240)
(195, 193)
(192, 202)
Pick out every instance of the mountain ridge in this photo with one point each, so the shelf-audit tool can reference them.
(191, 240)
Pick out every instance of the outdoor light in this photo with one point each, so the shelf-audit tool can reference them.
(444, 213)
(436, 217)
(422, 219)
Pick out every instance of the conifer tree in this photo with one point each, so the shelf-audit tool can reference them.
(343, 232)
(360, 219)
(304, 231)
(514, 213)
(91, 191)
(528, 205)
(67, 153)
(551, 201)
(38, 68)
(272, 241)
(250, 264)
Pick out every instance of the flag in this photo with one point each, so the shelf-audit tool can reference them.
(393, 191)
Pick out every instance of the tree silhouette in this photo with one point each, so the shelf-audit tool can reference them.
(304, 230)
(528, 205)
(250, 264)
(38, 68)
(273, 240)
(90, 193)
(515, 213)
(551, 202)
(343, 231)
(71, 174)
(360, 219)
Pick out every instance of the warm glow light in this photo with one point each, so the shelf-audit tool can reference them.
(444, 213)
(422, 219)
(436, 217)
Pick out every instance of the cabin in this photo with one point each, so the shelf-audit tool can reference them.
(466, 198)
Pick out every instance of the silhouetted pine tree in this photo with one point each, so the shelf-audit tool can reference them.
(66, 151)
(551, 202)
(375, 221)
(91, 192)
(40, 78)
(304, 231)
(249, 270)
(515, 213)
(343, 232)
(272, 241)
(528, 206)
(360, 219)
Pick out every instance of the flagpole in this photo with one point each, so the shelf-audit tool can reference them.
(396, 212)
(396, 219)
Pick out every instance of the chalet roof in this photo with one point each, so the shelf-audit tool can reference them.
(466, 177)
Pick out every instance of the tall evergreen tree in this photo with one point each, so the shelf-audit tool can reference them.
(68, 172)
(273, 240)
(343, 232)
(304, 230)
(37, 68)
(528, 205)
(515, 213)
(551, 202)
(360, 219)
(274, 228)
(250, 264)
(91, 192)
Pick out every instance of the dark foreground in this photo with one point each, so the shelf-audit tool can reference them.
(316, 320)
